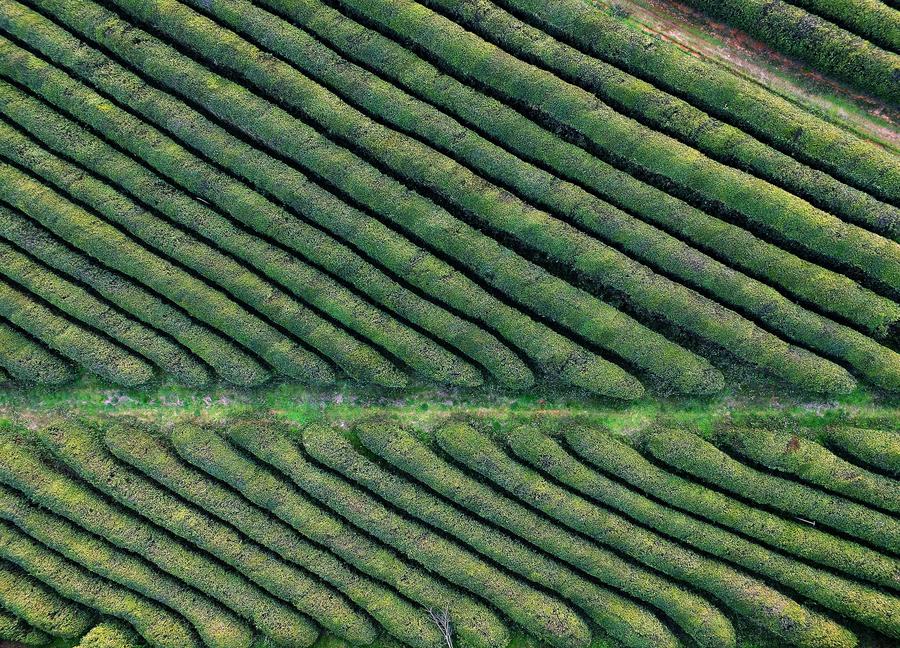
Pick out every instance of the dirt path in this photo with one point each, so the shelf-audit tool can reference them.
(703, 37)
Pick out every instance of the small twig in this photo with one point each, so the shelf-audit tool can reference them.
(441, 619)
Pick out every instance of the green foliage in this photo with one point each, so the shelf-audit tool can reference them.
(23, 469)
(877, 448)
(82, 450)
(476, 626)
(669, 114)
(693, 614)
(873, 20)
(721, 93)
(30, 362)
(159, 460)
(97, 353)
(217, 627)
(110, 634)
(229, 362)
(16, 630)
(824, 45)
(806, 627)
(697, 457)
(809, 543)
(40, 606)
(810, 462)
(160, 627)
(637, 147)
(91, 311)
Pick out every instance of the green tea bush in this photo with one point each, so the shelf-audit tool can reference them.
(40, 606)
(475, 625)
(873, 20)
(701, 459)
(622, 619)
(82, 450)
(228, 361)
(15, 630)
(879, 449)
(694, 615)
(216, 626)
(110, 634)
(29, 361)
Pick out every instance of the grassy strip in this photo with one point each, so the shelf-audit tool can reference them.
(637, 147)
(82, 450)
(830, 291)
(15, 630)
(599, 264)
(110, 634)
(315, 287)
(624, 462)
(877, 448)
(39, 606)
(824, 45)
(157, 459)
(554, 353)
(546, 617)
(27, 361)
(701, 459)
(673, 116)
(158, 626)
(79, 344)
(226, 359)
(721, 93)
(870, 19)
(219, 269)
(79, 303)
(787, 453)
(693, 614)
(860, 602)
(217, 627)
(113, 248)
(622, 619)
(740, 593)
(23, 469)
(518, 278)
(476, 626)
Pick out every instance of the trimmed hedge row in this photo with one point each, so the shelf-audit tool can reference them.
(824, 45)
(39, 606)
(158, 626)
(158, 460)
(870, 19)
(30, 362)
(518, 278)
(79, 303)
(113, 248)
(862, 603)
(547, 618)
(219, 269)
(877, 448)
(476, 626)
(740, 593)
(110, 634)
(82, 450)
(622, 619)
(666, 113)
(703, 460)
(830, 291)
(807, 460)
(315, 287)
(624, 462)
(552, 352)
(17, 631)
(639, 148)
(598, 263)
(722, 93)
(217, 627)
(694, 615)
(71, 340)
(228, 361)
(22, 469)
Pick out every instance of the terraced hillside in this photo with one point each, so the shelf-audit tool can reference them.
(456, 193)
(253, 532)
